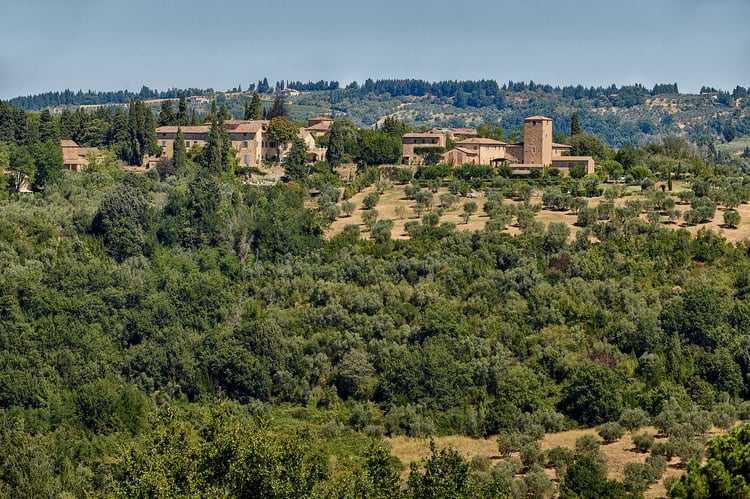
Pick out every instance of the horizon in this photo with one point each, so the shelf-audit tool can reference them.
(104, 46)
(245, 87)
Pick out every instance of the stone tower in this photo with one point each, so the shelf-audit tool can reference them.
(537, 141)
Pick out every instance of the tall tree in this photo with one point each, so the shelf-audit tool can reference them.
(167, 117)
(294, 163)
(575, 125)
(254, 111)
(227, 153)
(22, 167)
(182, 111)
(48, 160)
(342, 135)
(48, 129)
(281, 130)
(179, 157)
(490, 131)
(278, 108)
(212, 151)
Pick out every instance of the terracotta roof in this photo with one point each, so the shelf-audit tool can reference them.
(468, 152)
(322, 127)
(460, 131)
(185, 129)
(320, 118)
(538, 118)
(482, 141)
(416, 134)
(561, 146)
(246, 127)
(68, 143)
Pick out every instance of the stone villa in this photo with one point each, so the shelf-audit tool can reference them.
(248, 139)
(536, 152)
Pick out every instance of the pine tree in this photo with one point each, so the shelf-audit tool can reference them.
(575, 125)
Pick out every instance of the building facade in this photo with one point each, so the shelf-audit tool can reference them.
(536, 152)
(415, 141)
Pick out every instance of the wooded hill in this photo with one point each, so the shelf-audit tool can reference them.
(618, 115)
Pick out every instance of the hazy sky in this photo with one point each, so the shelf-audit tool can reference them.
(50, 45)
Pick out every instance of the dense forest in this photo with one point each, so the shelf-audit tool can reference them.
(183, 333)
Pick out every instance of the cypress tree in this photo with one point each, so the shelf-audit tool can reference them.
(166, 114)
(48, 129)
(212, 150)
(227, 154)
(278, 108)
(135, 154)
(179, 158)
(575, 125)
(256, 108)
(294, 163)
(182, 114)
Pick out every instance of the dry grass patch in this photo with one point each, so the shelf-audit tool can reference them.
(393, 200)
(618, 454)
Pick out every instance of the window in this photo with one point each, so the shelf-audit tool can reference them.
(244, 143)
(247, 159)
(187, 143)
(164, 143)
(533, 149)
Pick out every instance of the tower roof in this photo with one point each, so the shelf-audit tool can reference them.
(538, 118)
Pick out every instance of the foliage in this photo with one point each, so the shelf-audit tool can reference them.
(294, 162)
(725, 473)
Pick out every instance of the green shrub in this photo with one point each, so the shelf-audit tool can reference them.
(643, 442)
(634, 419)
(610, 432)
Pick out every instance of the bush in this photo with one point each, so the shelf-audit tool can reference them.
(531, 454)
(332, 429)
(657, 465)
(370, 200)
(538, 484)
(665, 449)
(587, 445)
(610, 432)
(481, 463)
(634, 419)
(374, 431)
(552, 422)
(643, 442)
(559, 457)
(508, 443)
(636, 479)
(731, 219)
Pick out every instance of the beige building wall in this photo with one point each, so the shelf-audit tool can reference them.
(411, 141)
(565, 162)
(246, 138)
(537, 141)
(488, 151)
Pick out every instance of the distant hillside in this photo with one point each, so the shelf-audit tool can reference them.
(618, 115)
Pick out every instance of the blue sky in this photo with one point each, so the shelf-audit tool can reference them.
(48, 45)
